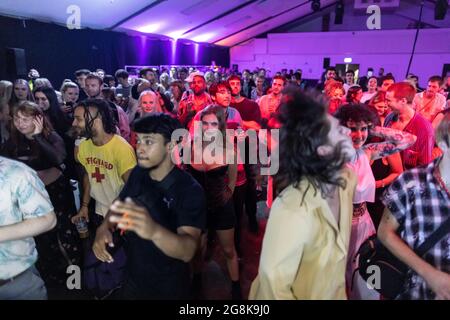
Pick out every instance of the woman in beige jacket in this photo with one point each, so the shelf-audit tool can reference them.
(304, 252)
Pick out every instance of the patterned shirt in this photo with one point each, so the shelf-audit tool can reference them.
(269, 105)
(432, 108)
(420, 205)
(23, 196)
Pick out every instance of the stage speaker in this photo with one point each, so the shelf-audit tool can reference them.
(440, 9)
(16, 65)
(339, 13)
(326, 62)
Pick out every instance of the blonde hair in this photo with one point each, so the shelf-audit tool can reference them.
(155, 97)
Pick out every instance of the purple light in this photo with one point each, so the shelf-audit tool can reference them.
(174, 51)
(144, 50)
(196, 52)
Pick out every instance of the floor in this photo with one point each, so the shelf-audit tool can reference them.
(216, 283)
(215, 277)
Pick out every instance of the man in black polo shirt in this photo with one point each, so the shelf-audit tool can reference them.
(161, 211)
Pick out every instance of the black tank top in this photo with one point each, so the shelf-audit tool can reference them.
(214, 183)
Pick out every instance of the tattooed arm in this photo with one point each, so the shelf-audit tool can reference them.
(395, 141)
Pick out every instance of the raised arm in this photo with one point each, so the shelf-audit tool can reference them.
(395, 141)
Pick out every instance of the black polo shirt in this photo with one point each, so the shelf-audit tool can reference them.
(178, 200)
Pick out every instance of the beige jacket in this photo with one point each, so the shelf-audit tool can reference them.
(304, 252)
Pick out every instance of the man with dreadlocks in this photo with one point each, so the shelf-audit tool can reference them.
(106, 157)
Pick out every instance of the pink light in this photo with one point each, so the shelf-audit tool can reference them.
(150, 28)
(204, 37)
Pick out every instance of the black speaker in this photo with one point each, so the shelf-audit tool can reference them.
(339, 13)
(446, 70)
(440, 9)
(326, 62)
(16, 65)
(315, 5)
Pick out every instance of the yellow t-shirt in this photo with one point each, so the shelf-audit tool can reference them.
(105, 166)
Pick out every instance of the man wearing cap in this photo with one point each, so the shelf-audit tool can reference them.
(194, 101)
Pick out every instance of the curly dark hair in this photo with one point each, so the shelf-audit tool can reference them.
(305, 127)
(356, 113)
(103, 110)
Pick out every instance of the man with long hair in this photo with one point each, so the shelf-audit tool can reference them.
(106, 157)
(305, 246)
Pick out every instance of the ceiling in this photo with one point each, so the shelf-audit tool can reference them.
(222, 22)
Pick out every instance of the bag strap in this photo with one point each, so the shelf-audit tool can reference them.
(434, 238)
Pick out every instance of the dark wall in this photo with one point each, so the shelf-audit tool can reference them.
(56, 52)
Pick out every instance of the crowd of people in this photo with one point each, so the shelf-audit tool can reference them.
(358, 157)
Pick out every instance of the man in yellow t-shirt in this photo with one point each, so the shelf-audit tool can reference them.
(105, 156)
